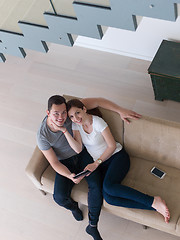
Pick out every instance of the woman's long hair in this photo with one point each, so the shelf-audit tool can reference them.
(77, 103)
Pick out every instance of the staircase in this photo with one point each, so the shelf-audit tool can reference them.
(32, 24)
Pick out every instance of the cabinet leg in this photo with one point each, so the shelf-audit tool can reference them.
(159, 98)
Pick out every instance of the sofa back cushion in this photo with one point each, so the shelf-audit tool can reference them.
(115, 124)
(153, 139)
(112, 119)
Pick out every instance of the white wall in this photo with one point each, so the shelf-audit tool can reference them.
(142, 44)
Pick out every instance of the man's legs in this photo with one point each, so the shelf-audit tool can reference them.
(62, 191)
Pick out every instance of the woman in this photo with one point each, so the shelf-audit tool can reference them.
(110, 157)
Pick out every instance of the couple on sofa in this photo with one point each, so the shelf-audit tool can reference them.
(64, 132)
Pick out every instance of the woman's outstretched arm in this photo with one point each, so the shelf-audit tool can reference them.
(125, 114)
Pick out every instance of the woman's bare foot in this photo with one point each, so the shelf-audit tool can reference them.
(161, 207)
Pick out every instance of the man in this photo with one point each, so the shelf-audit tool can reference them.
(66, 162)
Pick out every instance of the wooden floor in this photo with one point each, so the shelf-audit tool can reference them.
(25, 86)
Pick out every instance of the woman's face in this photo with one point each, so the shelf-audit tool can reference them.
(77, 115)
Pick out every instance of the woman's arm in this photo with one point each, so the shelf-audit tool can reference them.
(75, 141)
(111, 146)
(125, 114)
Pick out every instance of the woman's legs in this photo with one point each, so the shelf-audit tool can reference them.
(117, 194)
(161, 207)
(95, 197)
(124, 202)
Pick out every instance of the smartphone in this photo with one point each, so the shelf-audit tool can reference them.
(83, 173)
(157, 172)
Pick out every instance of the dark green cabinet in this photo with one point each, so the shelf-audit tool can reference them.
(165, 71)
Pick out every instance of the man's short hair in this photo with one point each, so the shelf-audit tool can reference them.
(57, 100)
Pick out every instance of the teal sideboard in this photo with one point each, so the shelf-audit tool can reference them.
(165, 71)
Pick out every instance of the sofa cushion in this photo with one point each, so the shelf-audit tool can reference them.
(140, 178)
(153, 139)
(47, 179)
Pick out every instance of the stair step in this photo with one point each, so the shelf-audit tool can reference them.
(35, 13)
(13, 11)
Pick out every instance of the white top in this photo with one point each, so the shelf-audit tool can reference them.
(94, 141)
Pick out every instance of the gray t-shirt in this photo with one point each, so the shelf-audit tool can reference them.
(47, 139)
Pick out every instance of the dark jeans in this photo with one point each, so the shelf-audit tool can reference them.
(63, 186)
(114, 170)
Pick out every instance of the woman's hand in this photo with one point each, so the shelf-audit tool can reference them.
(56, 127)
(91, 167)
(126, 114)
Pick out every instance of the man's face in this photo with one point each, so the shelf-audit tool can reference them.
(58, 114)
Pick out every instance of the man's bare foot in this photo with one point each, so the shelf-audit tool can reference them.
(161, 207)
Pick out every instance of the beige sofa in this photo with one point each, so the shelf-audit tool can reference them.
(149, 142)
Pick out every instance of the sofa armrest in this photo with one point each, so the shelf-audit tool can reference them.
(36, 166)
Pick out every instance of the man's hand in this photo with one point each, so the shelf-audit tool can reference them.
(77, 180)
(126, 114)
